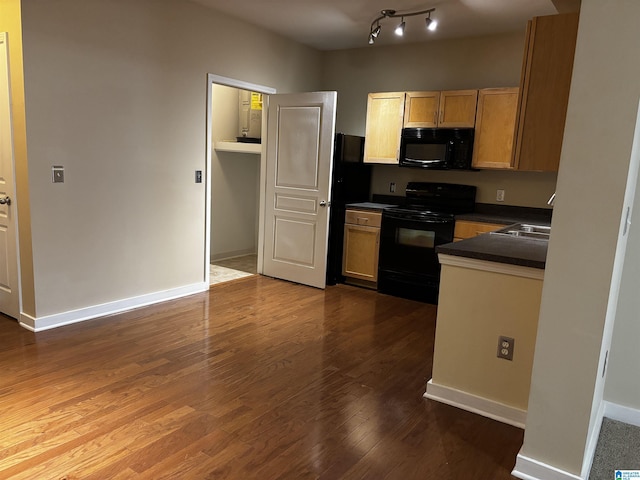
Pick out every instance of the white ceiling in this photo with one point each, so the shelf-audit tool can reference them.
(340, 24)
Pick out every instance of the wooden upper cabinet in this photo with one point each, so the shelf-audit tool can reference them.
(421, 109)
(457, 108)
(544, 91)
(495, 128)
(385, 114)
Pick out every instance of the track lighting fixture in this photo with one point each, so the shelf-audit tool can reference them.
(399, 30)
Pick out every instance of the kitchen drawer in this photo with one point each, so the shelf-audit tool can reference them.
(466, 229)
(362, 217)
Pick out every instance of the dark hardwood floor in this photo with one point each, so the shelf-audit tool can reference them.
(258, 378)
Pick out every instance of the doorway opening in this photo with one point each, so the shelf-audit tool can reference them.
(234, 177)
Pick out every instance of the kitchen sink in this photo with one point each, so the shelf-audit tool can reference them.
(525, 230)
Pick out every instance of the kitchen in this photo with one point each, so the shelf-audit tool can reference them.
(469, 377)
(530, 189)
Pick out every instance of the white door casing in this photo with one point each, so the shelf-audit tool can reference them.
(300, 133)
(9, 281)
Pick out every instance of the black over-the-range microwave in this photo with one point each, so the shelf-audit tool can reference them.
(437, 148)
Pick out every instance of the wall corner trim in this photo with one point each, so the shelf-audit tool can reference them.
(472, 403)
(47, 322)
(529, 469)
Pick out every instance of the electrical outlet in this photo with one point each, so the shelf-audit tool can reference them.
(198, 176)
(505, 347)
(392, 187)
(500, 195)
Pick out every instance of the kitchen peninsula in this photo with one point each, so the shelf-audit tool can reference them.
(490, 287)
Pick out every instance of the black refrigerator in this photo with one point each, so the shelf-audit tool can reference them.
(351, 182)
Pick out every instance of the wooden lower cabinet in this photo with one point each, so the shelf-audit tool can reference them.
(467, 229)
(361, 244)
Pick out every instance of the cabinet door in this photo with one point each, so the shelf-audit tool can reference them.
(360, 258)
(385, 112)
(458, 108)
(421, 109)
(495, 128)
(544, 91)
(468, 229)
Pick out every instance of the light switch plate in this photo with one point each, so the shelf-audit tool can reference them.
(58, 173)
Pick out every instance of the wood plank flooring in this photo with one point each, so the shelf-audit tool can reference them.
(258, 378)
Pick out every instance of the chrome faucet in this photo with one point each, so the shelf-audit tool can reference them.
(551, 199)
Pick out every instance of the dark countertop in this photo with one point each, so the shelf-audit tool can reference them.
(507, 214)
(370, 205)
(525, 252)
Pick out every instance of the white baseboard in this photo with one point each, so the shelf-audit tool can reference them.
(529, 469)
(472, 403)
(233, 254)
(621, 413)
(38, 324)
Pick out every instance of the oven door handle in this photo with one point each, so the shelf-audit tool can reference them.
(431, 220)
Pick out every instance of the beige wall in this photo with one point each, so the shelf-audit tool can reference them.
(116, 93)
(10, 22)
(476, 307)
(567, 376)
(480, 62)
(235, 183)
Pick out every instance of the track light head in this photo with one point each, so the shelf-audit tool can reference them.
(431, 24)
(376, 31)
(400, 29)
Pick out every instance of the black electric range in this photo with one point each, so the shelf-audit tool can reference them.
(408, 264)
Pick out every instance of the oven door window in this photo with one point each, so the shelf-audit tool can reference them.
(415, 238)
(410, 246)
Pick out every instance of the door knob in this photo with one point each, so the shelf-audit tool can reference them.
(5, 201)
(324, 203)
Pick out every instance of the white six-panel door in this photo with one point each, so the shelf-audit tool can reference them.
(9, 296)
(300, 132)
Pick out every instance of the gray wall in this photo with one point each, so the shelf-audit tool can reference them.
(623, 382)
(116, 93)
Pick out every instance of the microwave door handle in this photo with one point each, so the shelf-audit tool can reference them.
(422, 162)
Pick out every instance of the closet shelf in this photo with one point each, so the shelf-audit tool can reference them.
(238, 147)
